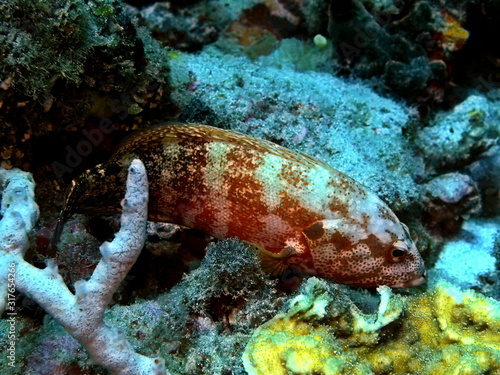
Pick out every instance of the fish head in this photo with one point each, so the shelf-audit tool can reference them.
(365, 255)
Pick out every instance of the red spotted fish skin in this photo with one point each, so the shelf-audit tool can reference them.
(299, 211)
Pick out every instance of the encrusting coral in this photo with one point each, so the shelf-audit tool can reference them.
(455, 332)
(303, 340)
(81, 314)
(442, 331)
(453, 136)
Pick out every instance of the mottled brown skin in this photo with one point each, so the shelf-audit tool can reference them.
(299, 211)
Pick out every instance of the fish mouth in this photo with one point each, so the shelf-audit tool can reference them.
(414, 282)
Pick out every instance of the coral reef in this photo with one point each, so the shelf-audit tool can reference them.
(457, 331)
(491, 281)
(250, 27)
(407, 48)
(81, 314)
(444, 330)
(211, 312)
(102, 67)
(302, 340)
(193, 326)
(486, 173)
(449, 199)
(455, 136)
(402, 96)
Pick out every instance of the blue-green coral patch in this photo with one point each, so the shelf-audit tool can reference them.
(343, 123)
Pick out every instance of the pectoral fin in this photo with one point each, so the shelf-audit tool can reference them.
(274, 263)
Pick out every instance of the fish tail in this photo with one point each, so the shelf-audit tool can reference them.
(67, 211)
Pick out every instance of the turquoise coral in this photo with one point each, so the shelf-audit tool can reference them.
(453, 136)
(347, 125)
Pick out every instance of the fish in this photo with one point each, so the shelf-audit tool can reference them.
(298, 212)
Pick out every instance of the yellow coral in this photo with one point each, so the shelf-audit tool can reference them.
(453, 33)
(284, 345)
(302, 340)
(443, 331)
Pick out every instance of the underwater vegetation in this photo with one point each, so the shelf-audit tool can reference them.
(402, 97)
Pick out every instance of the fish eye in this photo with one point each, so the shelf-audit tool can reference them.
(396, 252)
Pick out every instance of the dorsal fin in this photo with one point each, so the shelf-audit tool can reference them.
(175, 131)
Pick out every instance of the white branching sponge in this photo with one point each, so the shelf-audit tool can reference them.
(81, 314)
(19, 214)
